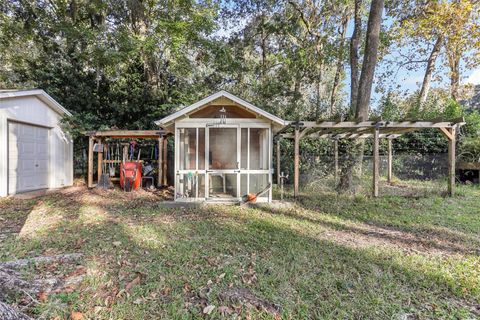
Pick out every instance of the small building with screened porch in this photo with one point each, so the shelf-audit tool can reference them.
(223, 149)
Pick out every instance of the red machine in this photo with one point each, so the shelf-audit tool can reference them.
(130, 175)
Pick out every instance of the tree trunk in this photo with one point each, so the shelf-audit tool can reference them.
(318, 107)
(361, 104)
(454, 63)
(339, 68)
(355, 55)
(369, 59)
(61, 258)
(429, 70)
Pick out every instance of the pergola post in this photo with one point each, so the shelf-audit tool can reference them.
(90, 163)
(335, 150)
(278, 161)
(100, 161)
(376, 161)
(296, 162)
(451, 161)
(160, 161)
(389, 160)
(164, 161)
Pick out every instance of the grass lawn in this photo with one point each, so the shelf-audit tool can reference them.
(328, 256)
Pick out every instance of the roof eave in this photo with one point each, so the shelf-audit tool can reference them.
(214, 96)
(42, 95)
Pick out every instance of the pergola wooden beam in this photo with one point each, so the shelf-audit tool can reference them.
(127, 134)
(386, 124)
(160, 161)
(390, 161)
(369, 129)
(335, 155)
(376, 161)
(99, 161)
(451, 160)
(278, 161)
(90, 163)
(296, 162)
(342, 136)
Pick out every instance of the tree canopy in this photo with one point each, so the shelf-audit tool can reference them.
(124, 63)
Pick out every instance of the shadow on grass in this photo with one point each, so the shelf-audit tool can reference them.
(13, 216)
(453, 220)
(189, 257)
(443, 241)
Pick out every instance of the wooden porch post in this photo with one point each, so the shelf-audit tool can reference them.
(296, 162)
(335, 150)
(100, 161)
(451, 161)
(390, 156)
(450, 134)
(160, 161)
(278, 161)
(164, 161)
(376, 161)
(90, 163)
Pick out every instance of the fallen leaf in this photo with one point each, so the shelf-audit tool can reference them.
(208, 309)
(166, 291)
(76, 315)
(42, 296)
(77, 272)
(224, 310)
(134, 282)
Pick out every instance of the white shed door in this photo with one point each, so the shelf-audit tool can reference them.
(28, 157)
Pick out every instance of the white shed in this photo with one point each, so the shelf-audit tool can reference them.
(35, 152)
(223, 149)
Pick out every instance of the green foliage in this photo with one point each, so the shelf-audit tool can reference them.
(470, 140)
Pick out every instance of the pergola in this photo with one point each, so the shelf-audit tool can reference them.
(376, 130)
(100, 136)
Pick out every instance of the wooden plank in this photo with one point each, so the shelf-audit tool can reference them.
(389, 161)
(160, 162)
(120, 161)
(451, 162)
(338, 124)
(285, 129)
(343, 136)
(147, 134)
(446, 133)
(468, 165)
(373, 124)
(335, 150)
(164, 161)
(90, 163)
(376, 161)
(296, 163)
(99, 163)
(304, 132)
(278, 161)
